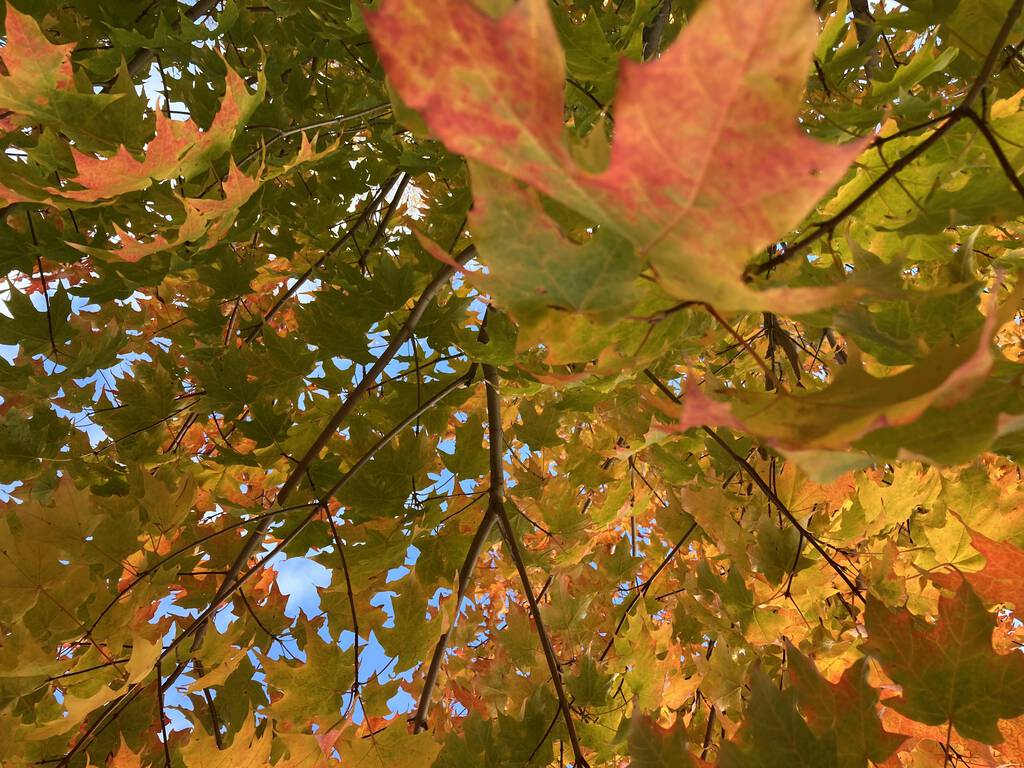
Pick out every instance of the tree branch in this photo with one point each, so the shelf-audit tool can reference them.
(351, 602)
(497, 504)
(655, 31)
(218, 737)
(476, 547)
(378, 235)
(1001, 158)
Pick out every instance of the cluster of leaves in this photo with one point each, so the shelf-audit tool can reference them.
(644, 377)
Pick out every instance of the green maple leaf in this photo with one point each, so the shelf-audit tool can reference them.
(652, 746)
(246, 750)
(774, 736)
(847, 709)
(313, 689)
(949, 671)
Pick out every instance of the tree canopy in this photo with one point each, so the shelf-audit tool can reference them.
(511, 383)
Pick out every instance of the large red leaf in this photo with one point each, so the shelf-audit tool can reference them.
(708, 163)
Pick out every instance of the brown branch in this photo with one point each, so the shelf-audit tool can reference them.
(992, 58)
(867, 32)
(496, 493)
(417, 369)
(1004, 161)
(366, 382)
(768, 372)
(476, 547)
(259, 623)
(218, 737)
(378, 235)
(42, 282)
(72, 673)
(712, 713)
(351, 603)
(544, 738)
(655, 31)
(163, 718)
(182, 431)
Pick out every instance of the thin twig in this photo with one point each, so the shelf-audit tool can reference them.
(298, 282)
(1004, 161)
(218, 737)
(642, 591)
(45, 288)
(959, 113)
(163, 718)
(351, 602)
(378, 235)
(765, 488)
(476, 547)
(768, 372)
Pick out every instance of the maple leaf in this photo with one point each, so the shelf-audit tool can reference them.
(847, 708)
(678, 185)
(125, 757)
(773, 734)
(247, 749)
(652, 746)
(948, 671)
(390, 746)
(1000, 580)
(39, 84)
(314, 689)
(177, 149)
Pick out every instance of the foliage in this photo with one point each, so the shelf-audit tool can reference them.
(642, 379)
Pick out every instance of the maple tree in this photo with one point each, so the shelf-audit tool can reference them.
(512, 383)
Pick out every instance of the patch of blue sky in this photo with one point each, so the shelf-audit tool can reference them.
(7, 491)
(298, 579)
